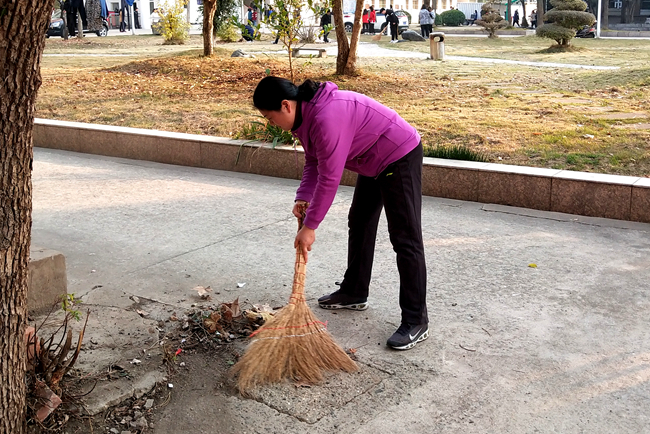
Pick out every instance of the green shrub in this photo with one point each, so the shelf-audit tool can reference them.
(458, 152)
(228, 32)
(438, 20)
(453, 17)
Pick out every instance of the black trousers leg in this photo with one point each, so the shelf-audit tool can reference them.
(72, 23)
(393, 31)
(399, 190)
(401, 187)
(363, 220)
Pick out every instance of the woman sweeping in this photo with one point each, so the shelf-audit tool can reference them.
(346, 130)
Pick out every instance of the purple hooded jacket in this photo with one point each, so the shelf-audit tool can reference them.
(346, 130)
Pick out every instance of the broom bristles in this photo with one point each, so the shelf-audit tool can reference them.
(293, 345)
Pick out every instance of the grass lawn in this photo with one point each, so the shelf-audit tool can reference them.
(591, 120)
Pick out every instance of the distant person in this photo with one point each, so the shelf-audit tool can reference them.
(249, 16)
(432, 22)
(473, 17)
(255, 16)
(76, 7)
(515, 19)
(425, 19)
(372, 19)
(364, 21)
(392, 21)
(283, 25)
(248, 33)
(136, 16)
(325, 21)
(533, 19)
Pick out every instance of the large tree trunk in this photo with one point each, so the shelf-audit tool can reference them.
(22, 39)
(604, 15)
(351, 64)
(209, 8)
(341, 37)
(540, 13)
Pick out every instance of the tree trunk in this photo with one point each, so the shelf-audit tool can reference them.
(509, 12)
(341, 37)
(22, 39)
(524, 20)
(604, 15)
(351, 64)
(540, 13)
(209, 8)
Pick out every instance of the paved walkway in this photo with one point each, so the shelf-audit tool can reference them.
(559, 346)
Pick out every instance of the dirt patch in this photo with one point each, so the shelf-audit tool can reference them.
(616, 116)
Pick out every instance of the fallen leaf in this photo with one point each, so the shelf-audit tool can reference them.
(532, 265)
(142, 313)
(203, 291)
(211, 323)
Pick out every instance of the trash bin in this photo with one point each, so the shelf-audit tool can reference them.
(437, 45)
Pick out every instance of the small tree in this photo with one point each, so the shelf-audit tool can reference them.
(491, 20)
(286, 22)
(173, 22)
(564, 19)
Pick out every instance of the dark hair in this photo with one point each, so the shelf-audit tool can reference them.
(271, 91)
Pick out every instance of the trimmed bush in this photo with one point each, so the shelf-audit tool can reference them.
(491, 20)
(564, 19)
(453, 17)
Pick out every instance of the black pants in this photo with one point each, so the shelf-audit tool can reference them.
(398, 189)
(72, 20)
(393, 31)
(325, 34)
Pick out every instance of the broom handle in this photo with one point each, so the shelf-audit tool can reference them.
(298, 288)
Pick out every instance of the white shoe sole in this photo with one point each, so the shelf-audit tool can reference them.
(357, 306)
(422, 337)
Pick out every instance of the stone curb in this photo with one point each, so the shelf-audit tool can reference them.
(565, 191)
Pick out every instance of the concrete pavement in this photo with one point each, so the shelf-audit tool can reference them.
(538, 320)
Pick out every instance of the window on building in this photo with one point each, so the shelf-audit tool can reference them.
(615, 4)
(645, 4)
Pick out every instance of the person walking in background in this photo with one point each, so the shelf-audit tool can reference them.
(533, 19)
(515, 19)
(432, 22)
(424, 18)
(325, 22)
(372, 19)
(347, 130)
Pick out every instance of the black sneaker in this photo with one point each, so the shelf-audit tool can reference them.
(407, 336)
(337, 300)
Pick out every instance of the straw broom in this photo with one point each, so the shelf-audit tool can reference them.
(293, 345)
(378, 37)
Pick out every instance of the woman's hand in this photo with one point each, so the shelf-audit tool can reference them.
(298, 207)
(305, 238)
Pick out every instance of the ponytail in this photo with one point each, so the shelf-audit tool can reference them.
(271, 91)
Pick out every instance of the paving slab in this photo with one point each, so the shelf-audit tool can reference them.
(538, 320)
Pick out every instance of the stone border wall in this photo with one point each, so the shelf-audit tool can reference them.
(565, 191)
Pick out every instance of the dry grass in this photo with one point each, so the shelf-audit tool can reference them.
(514, 114)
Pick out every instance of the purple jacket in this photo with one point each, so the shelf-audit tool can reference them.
(346, 130)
